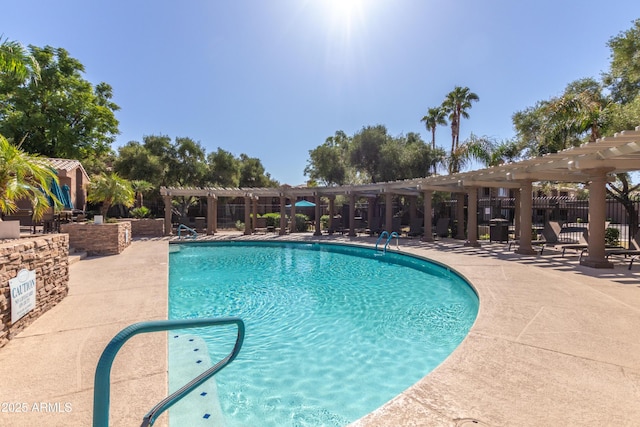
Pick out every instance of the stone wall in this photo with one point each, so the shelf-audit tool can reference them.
(98, 239)
(48, 256)
(146, 227)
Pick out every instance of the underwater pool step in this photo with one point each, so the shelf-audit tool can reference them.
(201, 407)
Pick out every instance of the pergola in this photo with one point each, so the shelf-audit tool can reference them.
(592, 163)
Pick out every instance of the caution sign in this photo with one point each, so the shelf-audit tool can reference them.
(23, 294)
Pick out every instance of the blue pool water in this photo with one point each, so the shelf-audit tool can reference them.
(332, 332)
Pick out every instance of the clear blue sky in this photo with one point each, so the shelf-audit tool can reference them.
(274, 78)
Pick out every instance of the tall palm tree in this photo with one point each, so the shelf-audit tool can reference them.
(110, 189)
(25, 176)
(435, 116)
(456, 104)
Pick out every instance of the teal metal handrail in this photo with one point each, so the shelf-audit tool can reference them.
(102, 383)
(391, 236)
(384, 233)
(194, 233)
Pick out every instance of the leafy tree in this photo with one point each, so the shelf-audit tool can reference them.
(252, 173)
(623, 78)
(366, 150)
(61, 114)
(328, 162)
(136, 162)
(110, 189)
(456, 104)
(223, 169)
(25, 176)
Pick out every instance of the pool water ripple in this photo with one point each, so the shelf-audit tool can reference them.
(330, 336)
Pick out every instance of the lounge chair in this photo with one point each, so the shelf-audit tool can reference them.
(633, 250)
(550, 234)
(415, 228)
(583, 243)
(442, 227)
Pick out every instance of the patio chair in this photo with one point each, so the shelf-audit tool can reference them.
(633, 250)
(415, 228)
(442, 228)
(550, 234)
(583, 243)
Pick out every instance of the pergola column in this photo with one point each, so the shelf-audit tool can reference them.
(318, 231)
(370, 206)
(283, 215)
(254, 218)
(472, 219)
(388, 212)
(247, 214)
(352, 214)
(428, 220)
(292, 223)
(211, 213)
(525, 247)
(516, 214)
(460, 216)
(168, 227)
(332, 201)
(597, 217)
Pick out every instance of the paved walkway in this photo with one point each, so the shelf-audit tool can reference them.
(554, 343)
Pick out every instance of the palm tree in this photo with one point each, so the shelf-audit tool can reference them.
(25, 176)
(140, 186)
(110, 189)
(435, 116)
(15, 60)
(456, 104)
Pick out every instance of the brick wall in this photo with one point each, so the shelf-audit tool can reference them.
(98, 239)
(146, 227)
(49, 257)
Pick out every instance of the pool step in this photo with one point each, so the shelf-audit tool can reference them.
(75, 256)
(189, 357)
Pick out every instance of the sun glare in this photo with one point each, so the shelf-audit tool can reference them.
(345, 10)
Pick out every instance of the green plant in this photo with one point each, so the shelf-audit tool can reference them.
(273, 219)
(324, 222)
(141, 212)
(239, 225)
(301, 223)
(612, 236)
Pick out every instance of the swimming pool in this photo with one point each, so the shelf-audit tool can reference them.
(332, 331)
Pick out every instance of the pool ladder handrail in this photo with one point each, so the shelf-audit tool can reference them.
(389, 237)
(102, 383)
(193, 235)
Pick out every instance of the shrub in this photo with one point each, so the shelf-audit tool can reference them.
(273, 219)
(324, 222)
(612, 236)
(301, 223)
(141, 212)
(239, 225)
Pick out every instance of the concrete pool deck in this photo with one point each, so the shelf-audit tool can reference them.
(554, 343)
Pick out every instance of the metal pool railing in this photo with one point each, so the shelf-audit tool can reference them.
(389, 237)
(102, 385)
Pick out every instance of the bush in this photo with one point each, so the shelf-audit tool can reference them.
(324, 222)
(301, 223)
(273, 219)
(239, 225)
(612, 236)
(141, 212)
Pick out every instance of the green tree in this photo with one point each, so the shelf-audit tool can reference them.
(136, 162)
(139, 187)
(366, 150)
(328, 162)
(456, 104)
(623, 78)
(25, 176)
(223, 169)
(61, 114)
(252, 173)
(110, 189)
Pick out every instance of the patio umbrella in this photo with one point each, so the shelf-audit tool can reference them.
(303, 204)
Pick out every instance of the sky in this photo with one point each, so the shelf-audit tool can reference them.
(274, 78)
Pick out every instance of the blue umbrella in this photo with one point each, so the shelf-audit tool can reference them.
(303, 204)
